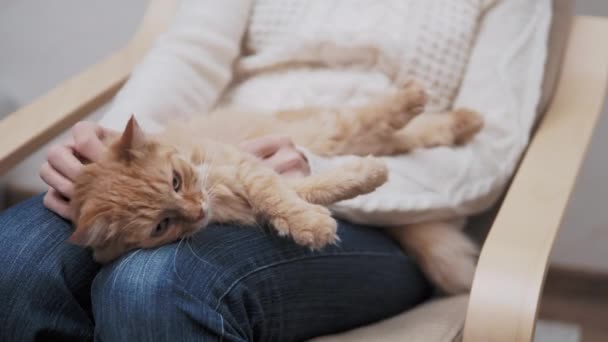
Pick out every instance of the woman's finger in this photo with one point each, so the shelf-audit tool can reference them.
(87, 140)
(57, 181)
(55, 202)
(61, 158)
(266, 146)
(295, 173)
(288, 160)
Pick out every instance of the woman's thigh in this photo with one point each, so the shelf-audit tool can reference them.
(44, 281)
(243, 284)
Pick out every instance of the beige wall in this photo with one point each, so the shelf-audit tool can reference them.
(583, 241)
(45, 42)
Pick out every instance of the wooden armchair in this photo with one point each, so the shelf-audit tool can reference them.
(504, 301)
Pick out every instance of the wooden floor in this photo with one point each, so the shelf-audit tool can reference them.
(579, 298)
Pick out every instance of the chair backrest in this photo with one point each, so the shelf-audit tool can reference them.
(32, 126)
(563, 13)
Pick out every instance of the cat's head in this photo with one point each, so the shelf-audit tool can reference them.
(141, 194)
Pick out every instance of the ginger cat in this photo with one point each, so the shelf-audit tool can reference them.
(151, 190)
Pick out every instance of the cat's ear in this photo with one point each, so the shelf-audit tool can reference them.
(132, 138)
(93, 234)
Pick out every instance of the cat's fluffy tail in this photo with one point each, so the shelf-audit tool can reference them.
(445, 254)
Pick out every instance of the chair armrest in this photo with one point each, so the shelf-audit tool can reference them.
(27, 129)
(513, 262)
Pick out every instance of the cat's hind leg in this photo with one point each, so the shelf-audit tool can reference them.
(396, 110)
(455, 127)
(360, 130)
(373, 127)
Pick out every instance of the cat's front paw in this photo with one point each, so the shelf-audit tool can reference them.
(313, 227)
(363, 175)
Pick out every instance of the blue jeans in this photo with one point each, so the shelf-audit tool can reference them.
(224, 284)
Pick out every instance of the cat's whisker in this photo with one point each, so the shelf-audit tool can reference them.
(206, 176)
(260, 228)
(212, 191)
(212, 187)
(129, 225)
(208, 168)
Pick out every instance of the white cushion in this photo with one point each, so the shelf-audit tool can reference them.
(503, 81)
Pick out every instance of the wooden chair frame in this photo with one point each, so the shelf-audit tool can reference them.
(513, 262)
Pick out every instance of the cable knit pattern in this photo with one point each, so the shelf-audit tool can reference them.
(390, 41)
(344, 52)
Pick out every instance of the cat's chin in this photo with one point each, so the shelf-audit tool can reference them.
(192, 232)
(200, 225)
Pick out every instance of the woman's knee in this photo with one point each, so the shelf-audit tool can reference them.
(40, 271)
(142, 297)
(30, 236)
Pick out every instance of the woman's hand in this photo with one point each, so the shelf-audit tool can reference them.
(65, 161)
(279, 153)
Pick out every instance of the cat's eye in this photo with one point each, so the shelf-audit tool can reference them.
(160, 228)
(177, 181)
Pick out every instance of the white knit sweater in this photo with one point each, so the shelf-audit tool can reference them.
(277, 54)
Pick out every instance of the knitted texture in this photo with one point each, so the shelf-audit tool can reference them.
(425, 40)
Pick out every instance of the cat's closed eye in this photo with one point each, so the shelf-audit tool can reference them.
(177, 181)
(161, 228)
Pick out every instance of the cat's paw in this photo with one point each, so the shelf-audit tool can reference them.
(466, 123)
(408, 102)
(375, 172)
(363, 175)
(413, 96)
(313, 227)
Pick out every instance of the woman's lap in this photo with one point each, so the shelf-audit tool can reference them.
(44, 281)
(239, 283)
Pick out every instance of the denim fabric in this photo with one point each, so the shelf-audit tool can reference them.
(226, 283)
